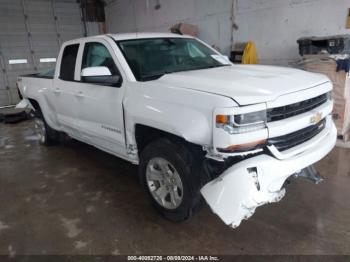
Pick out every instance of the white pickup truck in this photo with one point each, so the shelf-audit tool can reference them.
(197, 125)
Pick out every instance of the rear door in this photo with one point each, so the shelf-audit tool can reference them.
(100, 105)
(66, 90)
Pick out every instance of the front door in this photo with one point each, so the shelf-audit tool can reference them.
(100, 105)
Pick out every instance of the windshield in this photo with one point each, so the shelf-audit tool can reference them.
(151, 58)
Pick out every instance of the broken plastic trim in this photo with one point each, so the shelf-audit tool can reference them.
(240, 189)
(243, 147)
(310, 173)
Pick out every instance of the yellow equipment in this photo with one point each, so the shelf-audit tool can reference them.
(250, 55)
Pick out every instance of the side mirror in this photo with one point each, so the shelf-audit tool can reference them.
(100, 75)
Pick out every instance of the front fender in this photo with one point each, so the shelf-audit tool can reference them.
(181, 112)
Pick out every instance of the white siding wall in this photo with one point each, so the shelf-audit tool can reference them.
(212, 17)
(275, 25)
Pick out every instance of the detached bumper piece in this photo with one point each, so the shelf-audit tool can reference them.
(259, 180)
(15, 115)
(310, 173)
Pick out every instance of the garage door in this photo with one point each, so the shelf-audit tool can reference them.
(31, 32)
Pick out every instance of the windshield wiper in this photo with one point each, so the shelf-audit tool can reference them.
(213, 66)
(154, 76)
(201, 67)
(159, 75)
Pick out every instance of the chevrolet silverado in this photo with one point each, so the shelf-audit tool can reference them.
(198, 126)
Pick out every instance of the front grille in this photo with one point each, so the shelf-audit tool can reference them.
(283, 112)
(293, 139)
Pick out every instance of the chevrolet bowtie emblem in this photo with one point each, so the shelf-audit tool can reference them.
(316, 118)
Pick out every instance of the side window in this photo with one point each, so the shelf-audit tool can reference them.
(69, 58)
(96, 54)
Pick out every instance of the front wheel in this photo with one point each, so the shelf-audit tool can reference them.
(164, 183)
(170, 176)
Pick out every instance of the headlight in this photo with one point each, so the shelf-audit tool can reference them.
(242, 123)
(250, 118)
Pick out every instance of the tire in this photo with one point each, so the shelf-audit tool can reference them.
(47, 135)
(166, 162)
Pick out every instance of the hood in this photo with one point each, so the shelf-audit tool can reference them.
(246, 84)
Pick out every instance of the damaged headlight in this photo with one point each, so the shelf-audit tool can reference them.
(243, 123)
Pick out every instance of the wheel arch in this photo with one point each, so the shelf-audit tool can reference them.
(38, 105)
(144, 135)
(35, 104)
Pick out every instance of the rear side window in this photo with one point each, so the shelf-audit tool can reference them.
(96, 54)
(68, 62)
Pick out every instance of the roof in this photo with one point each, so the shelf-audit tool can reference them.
(128, 36)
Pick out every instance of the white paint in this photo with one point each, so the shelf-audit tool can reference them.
(24, 103)
(96, 71)
(234, 196)
(211, 17)
(140, 35)
(186, 104)
(275, 25)
(256, 84)
(221, 59)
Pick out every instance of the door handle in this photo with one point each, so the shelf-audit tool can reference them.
(57, 91)
(79, 94)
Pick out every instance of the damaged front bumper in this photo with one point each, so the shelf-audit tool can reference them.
(256, 181)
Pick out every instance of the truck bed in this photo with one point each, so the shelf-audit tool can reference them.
(36, 83)
(47, 74)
